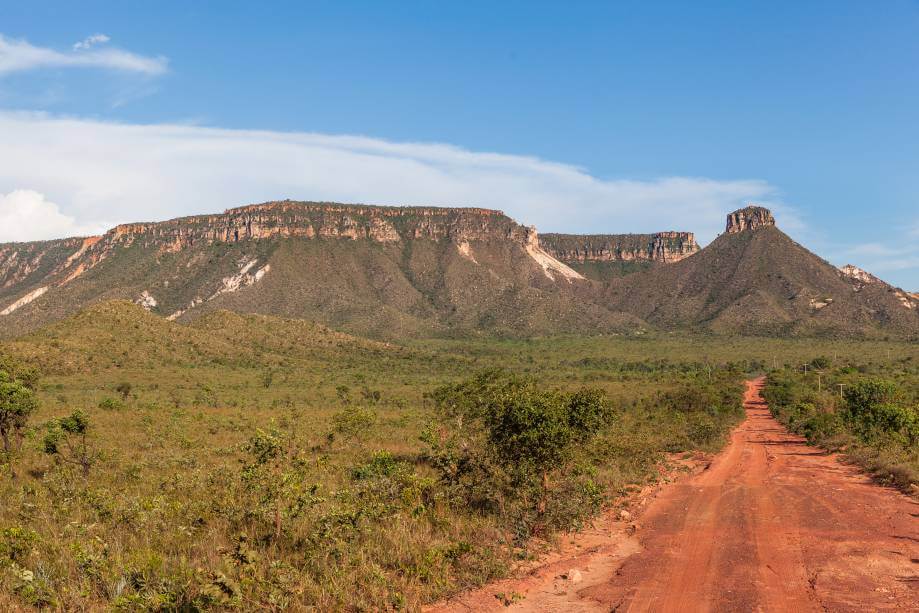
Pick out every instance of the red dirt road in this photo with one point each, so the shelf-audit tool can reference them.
(772, 525)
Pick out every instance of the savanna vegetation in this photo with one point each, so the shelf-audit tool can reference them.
(867, 410)
(252, 463)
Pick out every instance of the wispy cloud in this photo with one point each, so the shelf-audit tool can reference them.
(21, 56)
(91, 41)
(116, 172)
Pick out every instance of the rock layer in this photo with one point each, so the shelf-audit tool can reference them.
(749, 218)
(659, 247)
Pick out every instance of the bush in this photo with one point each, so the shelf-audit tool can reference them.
(514, 437)
(872, 410)
(17, 403)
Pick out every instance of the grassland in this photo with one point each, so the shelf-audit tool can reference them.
(257, 463)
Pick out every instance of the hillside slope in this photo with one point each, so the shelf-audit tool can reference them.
(117, 334)
(395, 272)
(372, 270)
(754, 279)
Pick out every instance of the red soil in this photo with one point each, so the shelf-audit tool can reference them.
(772, 525)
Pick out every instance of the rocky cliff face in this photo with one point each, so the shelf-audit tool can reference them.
(660, 247)
(861, 279)
(184, 263)
(858, 276)
(749, 218)
(323, 220)
(61, 261)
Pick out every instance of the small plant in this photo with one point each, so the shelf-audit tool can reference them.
(267, 378)
(67, 440)
(124, 389)
(274, 475)
(109, 404)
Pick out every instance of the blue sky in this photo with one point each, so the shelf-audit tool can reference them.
(613, 116)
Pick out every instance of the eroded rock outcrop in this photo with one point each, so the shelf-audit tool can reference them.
(749, 218)
(659, 247)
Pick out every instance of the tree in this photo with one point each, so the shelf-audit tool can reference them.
(273, 472)
(67, 439)
(352, 423)
(531, 432)
(17, 403)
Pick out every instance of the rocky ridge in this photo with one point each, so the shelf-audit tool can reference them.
(63, 260)
(749, 218)
(421, 270)
(361, 254)
(664, 247)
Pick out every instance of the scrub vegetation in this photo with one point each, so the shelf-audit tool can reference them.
(254, 463)
(867, 410)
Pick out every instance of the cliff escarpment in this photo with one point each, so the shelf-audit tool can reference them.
(658, 247)
(605, 256)
(402, 271)
(357, 266)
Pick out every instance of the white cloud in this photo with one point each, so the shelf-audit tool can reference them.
(107, 171)
(26, 215)
(20, 56)
(91, 41)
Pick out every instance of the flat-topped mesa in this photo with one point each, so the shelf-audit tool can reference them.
(749, 218)
(324, 220)
(658, 247)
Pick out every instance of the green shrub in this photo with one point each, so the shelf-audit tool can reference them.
(17, 403)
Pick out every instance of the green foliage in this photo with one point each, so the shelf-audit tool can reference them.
(109, 404)
(275, 482)
(509, 436)
(67, 440)
(875, 420)
(352, 423)
(17, 403)
(874, 408)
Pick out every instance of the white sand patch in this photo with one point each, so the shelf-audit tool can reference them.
(242, 279)
(465, 250)
(228, 285)
(550, 265)
(24, 300)
(146, 300)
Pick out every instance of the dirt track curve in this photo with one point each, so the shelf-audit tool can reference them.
(771, 525)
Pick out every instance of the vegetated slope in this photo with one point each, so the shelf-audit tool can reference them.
(122, 335)
(398, 272)
(758, 281)
(377, 270)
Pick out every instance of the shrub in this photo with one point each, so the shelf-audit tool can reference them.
(67, 440)
(124, 389)
(109, 404)
(516, 436)
(17, 403)
(352, 422)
